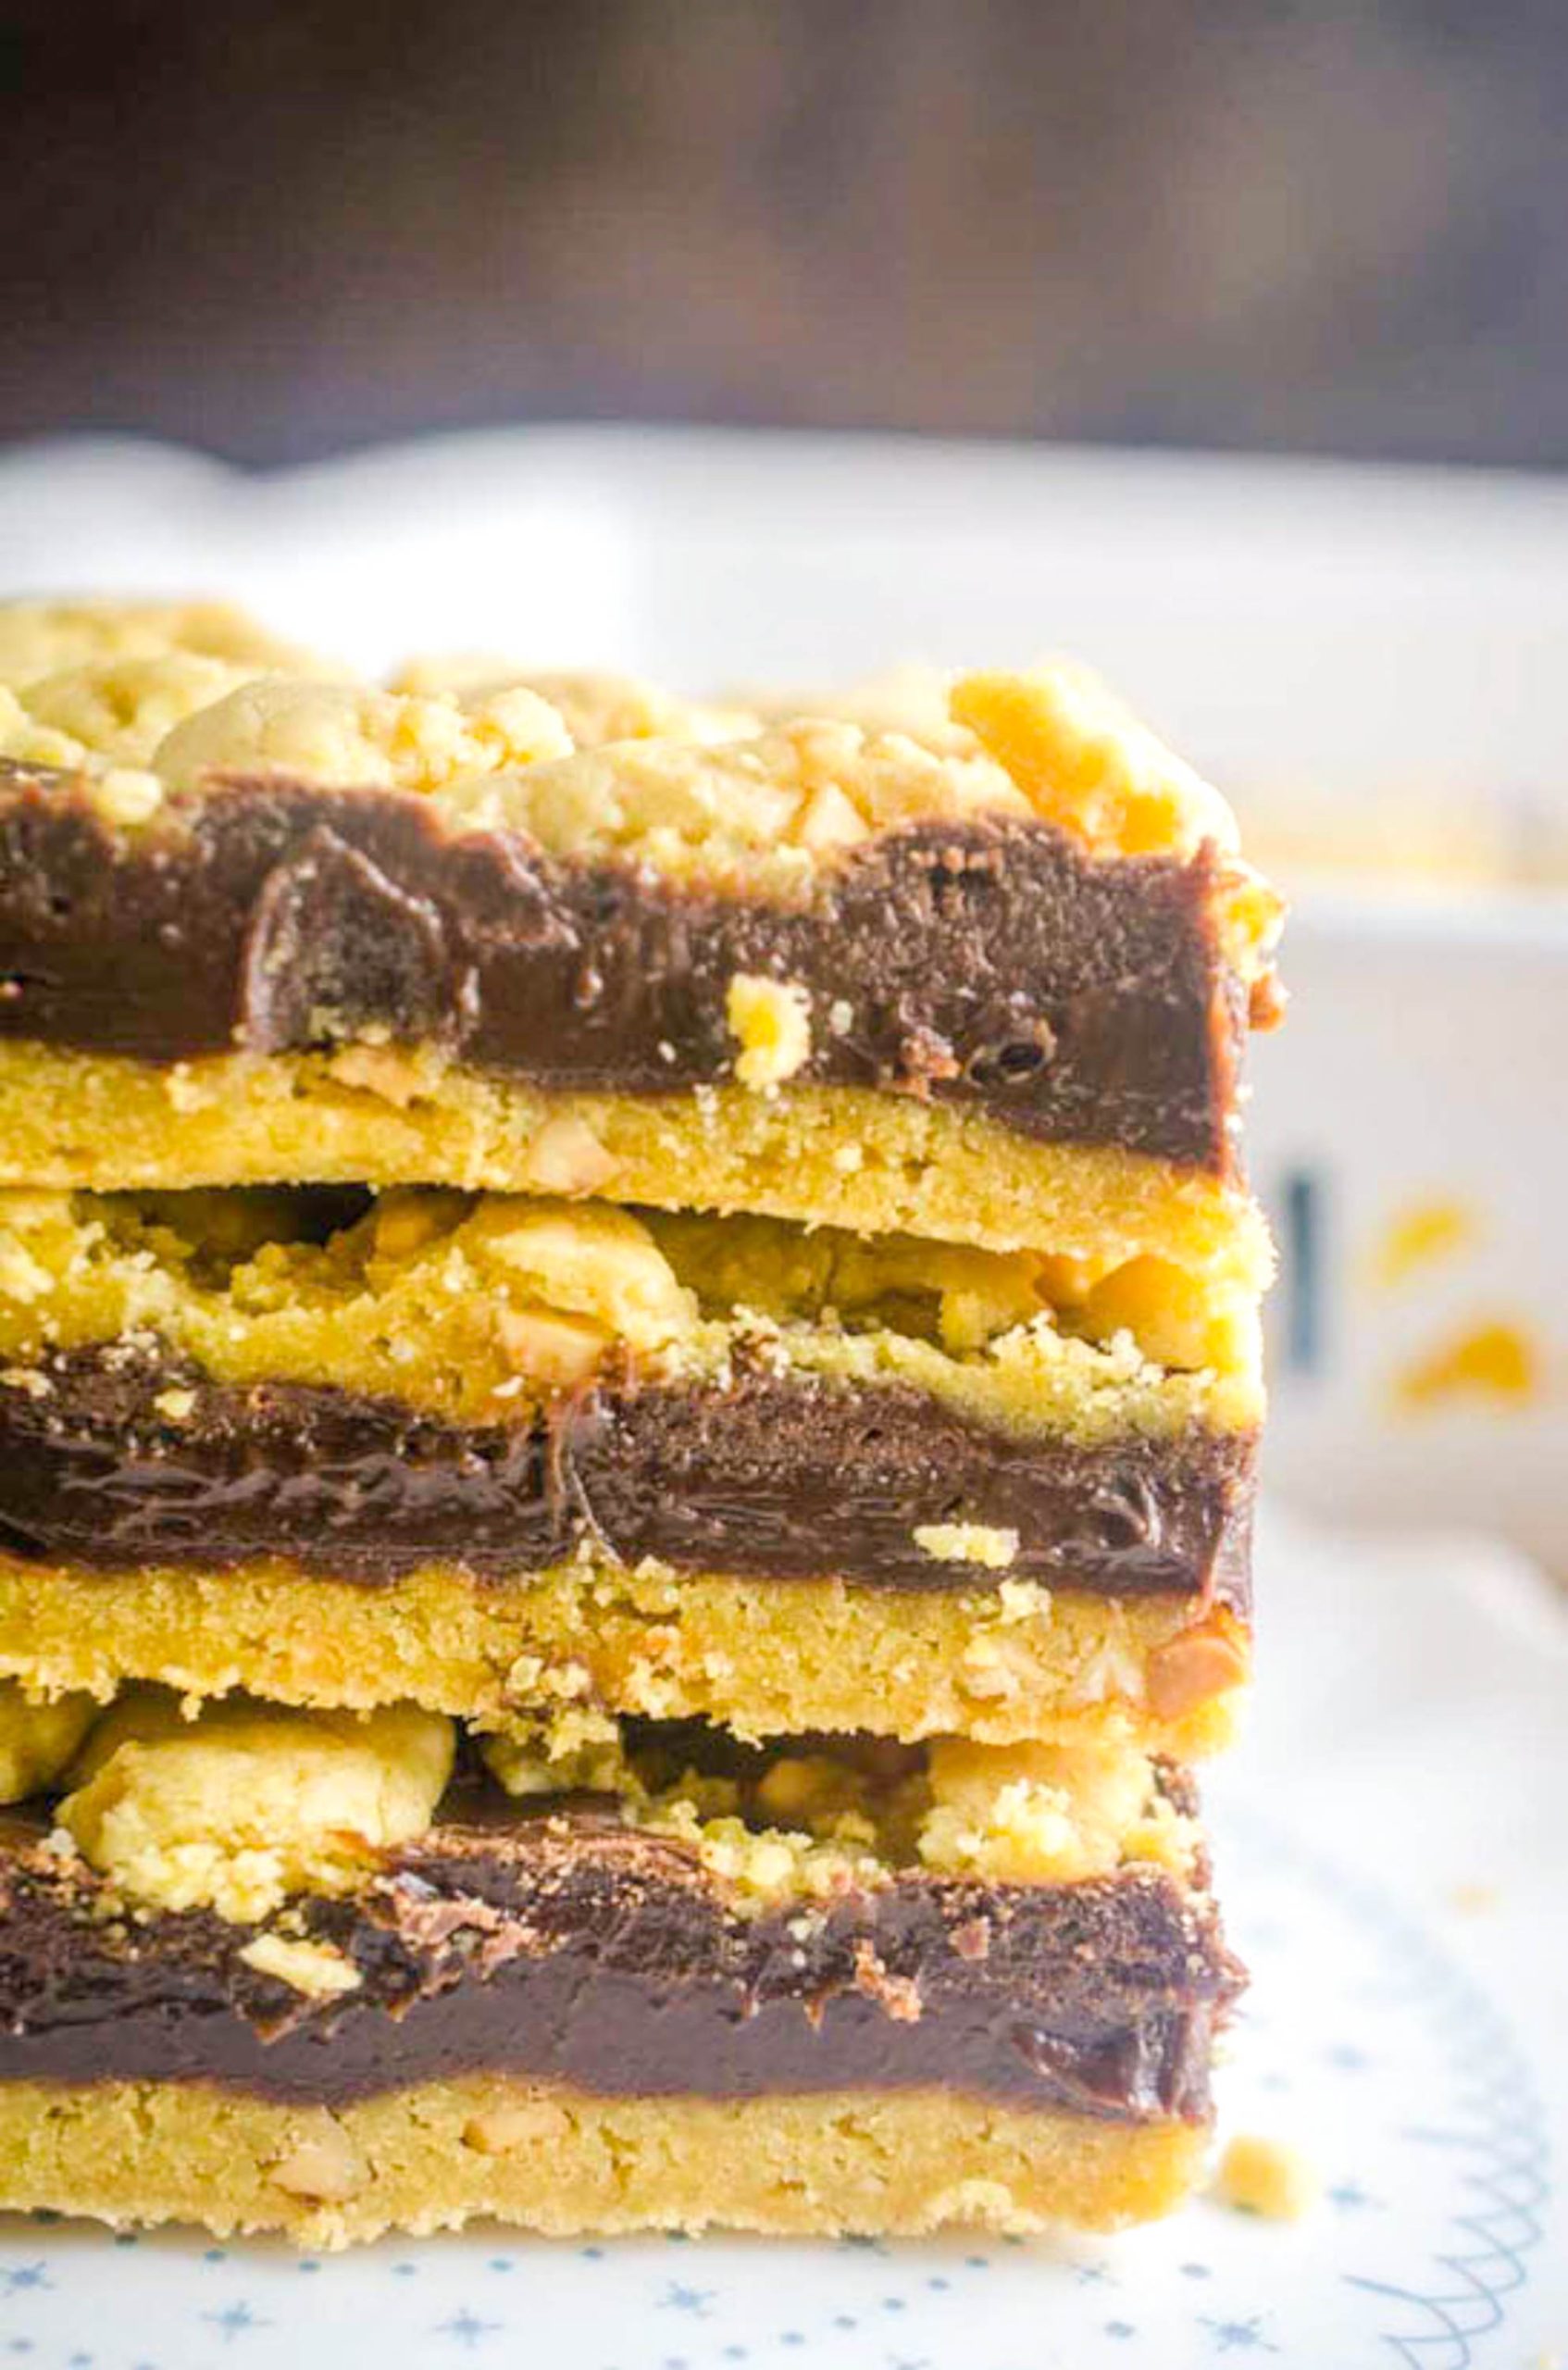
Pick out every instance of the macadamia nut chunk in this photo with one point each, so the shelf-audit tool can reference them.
(244, 1805)
(37, 1740)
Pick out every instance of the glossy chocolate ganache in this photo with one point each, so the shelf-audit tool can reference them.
(561, 1946)
(767, 1476)
(991, 963)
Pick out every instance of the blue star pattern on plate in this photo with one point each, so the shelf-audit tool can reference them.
(236, 2319)
(1238, 2337)
(465, 2329)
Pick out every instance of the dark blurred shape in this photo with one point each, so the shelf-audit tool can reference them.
(278, 230)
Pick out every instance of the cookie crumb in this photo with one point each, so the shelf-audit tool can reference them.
(126, 795)
(1265, 2177)
(772, 1020)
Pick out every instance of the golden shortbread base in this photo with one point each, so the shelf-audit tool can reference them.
(558, 2161)
(765, 1658)
(873, 1163)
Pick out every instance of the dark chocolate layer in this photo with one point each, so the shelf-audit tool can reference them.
(773, 1477)
(564, 1947)
(992, 963)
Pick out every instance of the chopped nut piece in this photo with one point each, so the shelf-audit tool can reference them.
(37, 1740)
(313, 1968)
(601, 1264)
(1260, 2175)
(497, 2130)
(174, 1405)
(968, 1542)
(396, 1077)
(21, 1276)
(1193, 1667)
(828, 821)
(1023, 1601)
(559, 1350)
(567, 1157)
(772, 1020)
(408, 1220)
(898, 1995)
(323, 2167)
(126, 796)
(987, 1671)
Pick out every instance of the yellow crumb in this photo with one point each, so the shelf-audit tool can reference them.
(127, 795)
(1263, 2177)
(772, 1020)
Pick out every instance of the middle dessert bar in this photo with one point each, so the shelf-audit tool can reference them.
(475, 1451)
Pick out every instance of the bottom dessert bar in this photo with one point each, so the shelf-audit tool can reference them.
(268, 1970)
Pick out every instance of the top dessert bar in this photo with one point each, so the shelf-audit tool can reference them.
(984, 979)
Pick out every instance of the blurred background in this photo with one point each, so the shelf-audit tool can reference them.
(1110, 243)
(278, 231)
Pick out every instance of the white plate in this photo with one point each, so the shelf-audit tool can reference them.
(1405, 2034)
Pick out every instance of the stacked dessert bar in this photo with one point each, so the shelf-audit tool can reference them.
(629, 1384)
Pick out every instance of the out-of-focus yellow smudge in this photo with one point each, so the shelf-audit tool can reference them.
(1496, 1361)
(1419, 1235)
